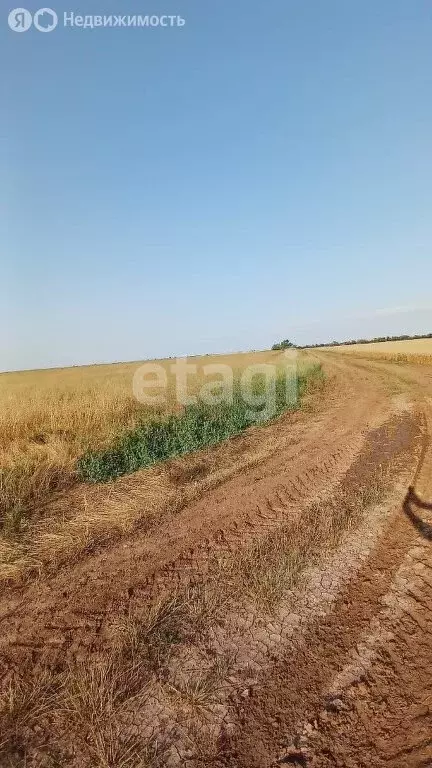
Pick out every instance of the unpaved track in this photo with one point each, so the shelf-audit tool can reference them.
(388, 720)
(356, 691)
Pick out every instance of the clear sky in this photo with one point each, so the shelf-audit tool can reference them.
(262, 172)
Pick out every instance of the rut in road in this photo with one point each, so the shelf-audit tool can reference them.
(388, 715)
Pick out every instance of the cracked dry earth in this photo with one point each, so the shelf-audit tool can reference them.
(308, 582)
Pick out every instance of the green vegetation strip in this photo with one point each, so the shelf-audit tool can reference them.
(196, 427)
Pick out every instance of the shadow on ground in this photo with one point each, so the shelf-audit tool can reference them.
(411, 499)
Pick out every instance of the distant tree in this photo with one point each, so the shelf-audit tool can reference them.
(285, 344)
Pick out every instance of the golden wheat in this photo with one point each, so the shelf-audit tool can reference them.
(49, 418)
(417, 351)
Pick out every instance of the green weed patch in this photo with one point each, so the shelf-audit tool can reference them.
(196, 427)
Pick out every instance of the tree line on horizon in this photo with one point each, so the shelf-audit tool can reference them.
(287, 344)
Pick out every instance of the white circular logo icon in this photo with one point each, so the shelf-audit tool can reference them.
(45, 20)
(20, 20)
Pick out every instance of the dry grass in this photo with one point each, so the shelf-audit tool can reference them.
(82, 710)
(273, 566)
(90, 707)
(85, 706)
(49, 418)
(417, 351)
(98, 695)
(94, 698)
(200, 689)
(24, 704)
(41, 529)
(86, 515)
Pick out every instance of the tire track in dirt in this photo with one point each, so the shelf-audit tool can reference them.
(359, 693)
(83, 627)
(388, 695)
(250, 641)
(283, 503)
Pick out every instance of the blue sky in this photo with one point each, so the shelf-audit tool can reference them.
(262, 172)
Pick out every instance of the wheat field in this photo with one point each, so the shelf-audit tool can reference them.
(412, 350)
(48, 418)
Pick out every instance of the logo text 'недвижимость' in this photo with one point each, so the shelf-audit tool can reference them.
(46, 20)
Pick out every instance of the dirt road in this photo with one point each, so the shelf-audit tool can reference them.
(326, 662)
(357, 690)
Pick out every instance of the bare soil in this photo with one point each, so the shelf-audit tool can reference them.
(334, 672)
(358, 689)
